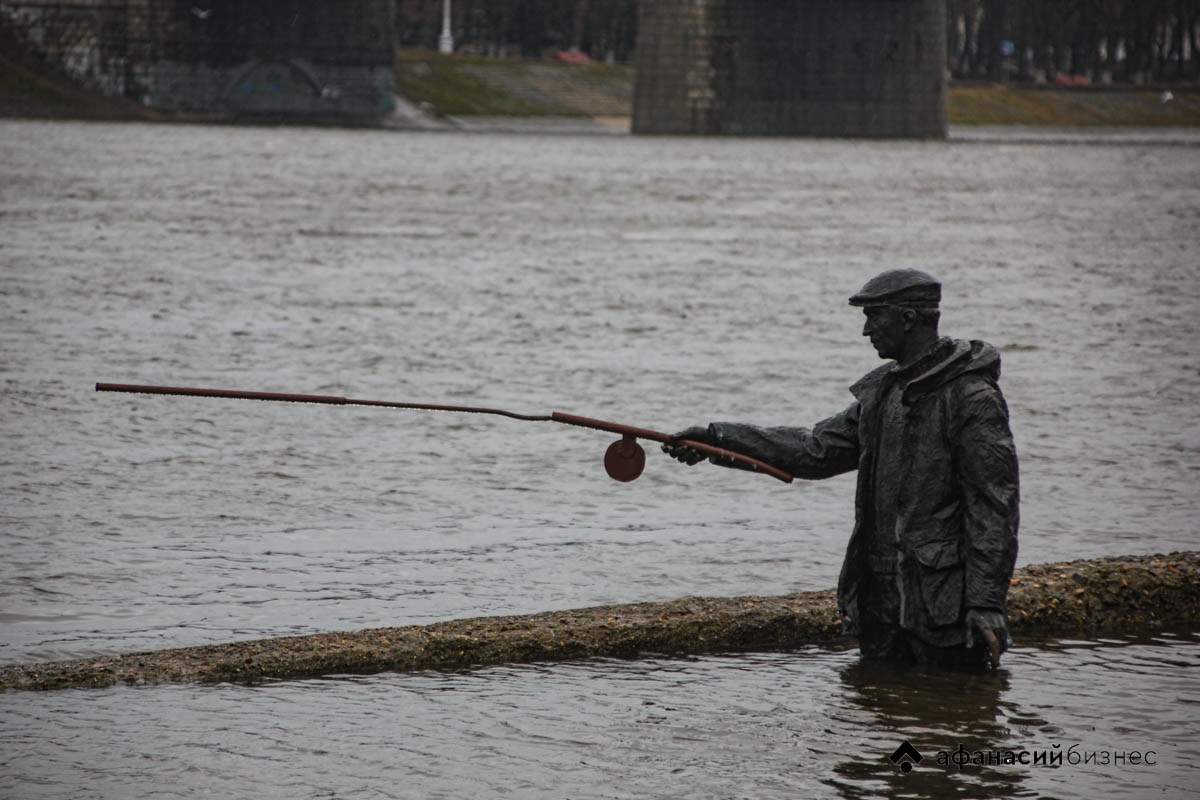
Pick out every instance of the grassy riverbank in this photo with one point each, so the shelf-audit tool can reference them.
(464, 86)
(474, 85)
(1081, 106)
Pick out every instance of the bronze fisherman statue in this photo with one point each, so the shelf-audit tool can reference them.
(928, 566)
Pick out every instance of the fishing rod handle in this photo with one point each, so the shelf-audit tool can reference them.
(719, 453)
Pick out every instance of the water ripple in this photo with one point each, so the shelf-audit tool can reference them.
(657, 281)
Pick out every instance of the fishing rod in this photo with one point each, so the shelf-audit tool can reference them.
(623, 461)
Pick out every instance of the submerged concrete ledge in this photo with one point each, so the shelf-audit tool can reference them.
(1105, 595)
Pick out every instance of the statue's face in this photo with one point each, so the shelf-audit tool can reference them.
(887, 330)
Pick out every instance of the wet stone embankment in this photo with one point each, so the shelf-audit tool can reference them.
(1125, 594)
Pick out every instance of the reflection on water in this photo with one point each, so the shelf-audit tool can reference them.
(813, 723)
(940, 710)
(656, 281)
(1060, 718)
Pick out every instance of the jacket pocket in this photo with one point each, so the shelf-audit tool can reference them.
(941, 578)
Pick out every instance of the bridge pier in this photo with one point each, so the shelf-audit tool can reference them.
(837, 68)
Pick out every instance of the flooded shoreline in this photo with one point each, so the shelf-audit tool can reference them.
(1135, 594)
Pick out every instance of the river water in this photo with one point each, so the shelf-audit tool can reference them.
(659, 282)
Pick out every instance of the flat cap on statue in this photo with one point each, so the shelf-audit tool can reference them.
(900, 287)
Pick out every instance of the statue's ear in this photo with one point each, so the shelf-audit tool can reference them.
(909, 316)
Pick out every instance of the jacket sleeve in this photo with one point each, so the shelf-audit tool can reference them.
(829, 448)
(986, 464)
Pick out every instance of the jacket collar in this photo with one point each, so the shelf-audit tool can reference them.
(933, 366)
(945, 360)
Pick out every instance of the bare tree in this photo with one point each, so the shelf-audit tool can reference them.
(1129, 40)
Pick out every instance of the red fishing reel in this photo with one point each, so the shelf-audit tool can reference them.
(624, 460)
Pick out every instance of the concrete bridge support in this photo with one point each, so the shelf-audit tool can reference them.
(839, 68)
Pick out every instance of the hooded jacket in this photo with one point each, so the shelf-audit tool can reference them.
(936, 507)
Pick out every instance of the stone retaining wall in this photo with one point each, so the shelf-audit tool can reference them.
(283, 58)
